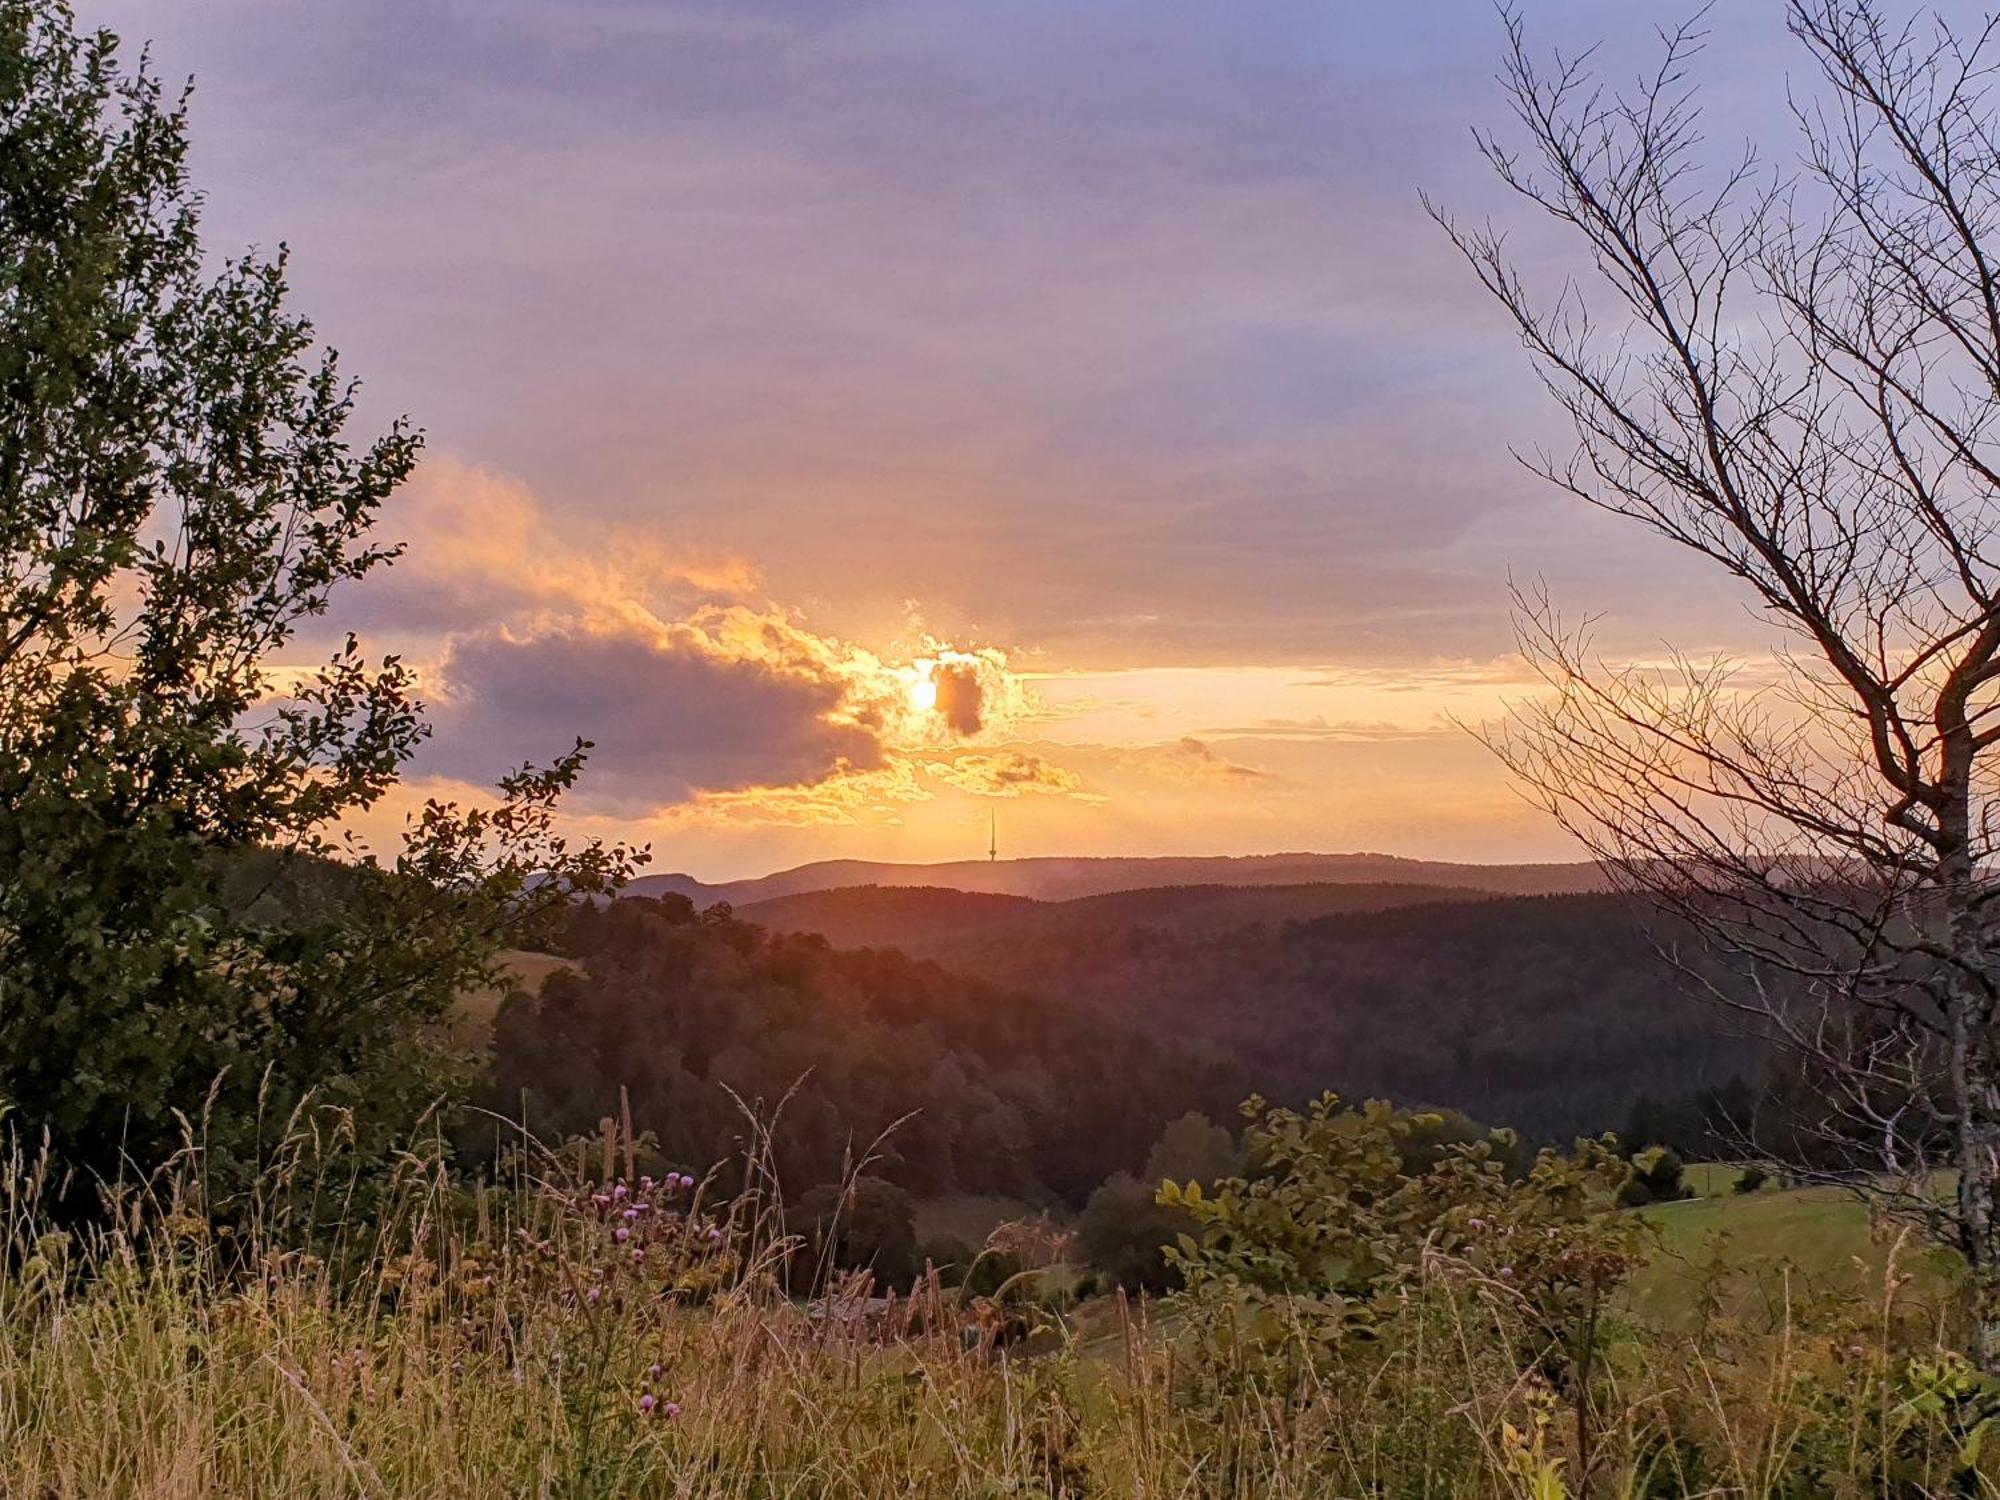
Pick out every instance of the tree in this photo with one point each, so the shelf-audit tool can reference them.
(180, 953)
(1798, 383)
(864, 1225)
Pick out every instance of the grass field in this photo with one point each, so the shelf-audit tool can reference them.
(524, 970)
(503, 1344)
(967, 1216)
(1755, 1254)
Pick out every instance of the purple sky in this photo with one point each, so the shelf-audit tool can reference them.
(1110, 337)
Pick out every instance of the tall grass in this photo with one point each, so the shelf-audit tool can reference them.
(503, 1341)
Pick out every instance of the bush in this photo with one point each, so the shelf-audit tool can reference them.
(949, 1254)
(869, 1225)
(1125, 1230)
(1328, 1232)
(991, 1271)
(1657, 1174)
(1752, 1180)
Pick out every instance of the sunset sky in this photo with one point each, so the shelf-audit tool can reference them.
(857, 417)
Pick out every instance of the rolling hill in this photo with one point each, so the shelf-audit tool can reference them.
(1065, 879)
(930, 922)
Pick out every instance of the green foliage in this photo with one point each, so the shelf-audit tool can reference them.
(1192, 1148)
(991, 1270)
(1657, 1174)
(949, 1255)
(978, 1090)
(1751, 1180)
(178, 497)
(1125, 1231)
(1329, 1228)
(866, 1225)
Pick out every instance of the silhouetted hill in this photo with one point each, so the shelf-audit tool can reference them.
(930, 922)
(1067, 879)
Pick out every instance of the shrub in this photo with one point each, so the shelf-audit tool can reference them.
(949, 1254)
(1656, 1177)
(1752, 1179)
(1125, 1231)
(992, 1270)
(1322, 1240)
(867, 1225)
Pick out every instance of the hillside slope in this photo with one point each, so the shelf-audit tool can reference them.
(928, 922)
(1062, 879)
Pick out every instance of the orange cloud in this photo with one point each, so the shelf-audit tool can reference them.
(695, 691)
(1009, 774)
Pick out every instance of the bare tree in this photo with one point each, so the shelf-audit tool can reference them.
(1794, 371)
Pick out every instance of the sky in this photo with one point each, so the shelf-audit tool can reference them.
(867, 418)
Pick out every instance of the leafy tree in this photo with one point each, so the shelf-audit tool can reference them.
(1125, 1231)
(1192, 1148)
(958, 1086)
(178, 496)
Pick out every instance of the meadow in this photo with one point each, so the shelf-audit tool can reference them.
(578, 1333)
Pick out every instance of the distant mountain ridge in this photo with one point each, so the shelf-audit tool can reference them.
(1067, 878)
(959, 926)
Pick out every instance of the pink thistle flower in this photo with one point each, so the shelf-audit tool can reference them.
(652, 1372)
(622, 1234)
(646, 1404)
(618, 1191)
(593, 1294)
(714, 1235)
(671, 1410)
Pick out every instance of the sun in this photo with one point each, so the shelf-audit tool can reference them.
(923, 687)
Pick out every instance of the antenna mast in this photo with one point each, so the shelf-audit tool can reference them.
(993, 836)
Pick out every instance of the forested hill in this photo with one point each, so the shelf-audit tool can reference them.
(1549, 1013)
(1067, 878)
(995, 1091)
(928, 922)
(1041, 1061)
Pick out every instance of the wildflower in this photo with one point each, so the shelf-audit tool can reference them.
(1475, 1223)
(652, 1372)
(1506, 1273)
(630, 1214)
(714, 1235)
(638, 1257)
(618, 1191)
(646, 1404)
(593, 1294)
(622, 1234)
(645, 1184)
(671, 1410)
